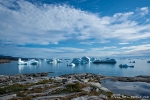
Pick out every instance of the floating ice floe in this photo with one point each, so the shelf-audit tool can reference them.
(51, 61)
(148, 61)
(71, 64)
(20, 62)
(92, 59)
(85, 60)
(59, 61)
(125, 66)
(107, 60)
(76, 60)
(29, 62)
(34, 62)
(132, 62)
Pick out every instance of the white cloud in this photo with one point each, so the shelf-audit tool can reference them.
(144, 10)
(93, 42)
(87, 43)
(26, 23)
(139, 47)
(33, 24)
(102, 49)
(139, 50)
(57, 52)
(124, 43)
(41, 52)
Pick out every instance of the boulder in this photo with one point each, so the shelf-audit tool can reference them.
(6, 97)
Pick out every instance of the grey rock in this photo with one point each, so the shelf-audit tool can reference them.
(6, 97)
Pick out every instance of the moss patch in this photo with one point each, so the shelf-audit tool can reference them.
(12, 88)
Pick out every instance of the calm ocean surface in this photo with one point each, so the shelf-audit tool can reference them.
(136, 89)
(141, 67)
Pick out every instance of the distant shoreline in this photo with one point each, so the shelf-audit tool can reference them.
(5, 61)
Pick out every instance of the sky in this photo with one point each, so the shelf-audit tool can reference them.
(74, 28)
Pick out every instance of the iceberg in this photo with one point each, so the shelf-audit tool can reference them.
(20, 62)
(93, 59)
(125, 66)
(132, 62)
(29, 62)
(59, 61)
(148, 61)
(34, 62)
(76, 60)
(51, 61)
(85, 60)
(71, 64)
(107, 60)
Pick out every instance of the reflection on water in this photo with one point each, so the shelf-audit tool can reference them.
(141, 67)
(128, 88)
(21, 68)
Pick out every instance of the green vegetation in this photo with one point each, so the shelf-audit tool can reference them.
(74, 96)
(108, 94)
(44, 82)
(77, 87)
(70, 88)
(12, 88)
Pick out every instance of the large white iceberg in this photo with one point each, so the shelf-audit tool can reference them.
(20, 62)
(85, 60)
(76, 60)
(29, 62)
(34, 62)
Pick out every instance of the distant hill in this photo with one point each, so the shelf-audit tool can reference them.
(11, 58)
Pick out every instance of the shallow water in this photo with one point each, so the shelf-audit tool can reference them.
(139, 89)
(141, 67)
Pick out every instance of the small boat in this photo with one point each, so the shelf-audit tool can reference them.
(71, 65)
(148, 61)
(125, 66)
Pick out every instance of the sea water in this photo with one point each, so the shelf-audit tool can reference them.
(141, 67)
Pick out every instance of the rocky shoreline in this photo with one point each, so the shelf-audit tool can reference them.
(5, 61)
(140, 78)
(37, 86)
(20, 77)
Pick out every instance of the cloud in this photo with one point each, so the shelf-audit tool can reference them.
(136, 48)
(139, 50)
(94, 42)
(25, 23)
(124, 43)
(103, 49)
(57, 52)
(41, 52)
(144, 10)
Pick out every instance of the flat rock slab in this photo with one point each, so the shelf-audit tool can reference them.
(6, 97)
(95, 84)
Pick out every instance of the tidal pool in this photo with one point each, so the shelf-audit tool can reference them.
(139, 89)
